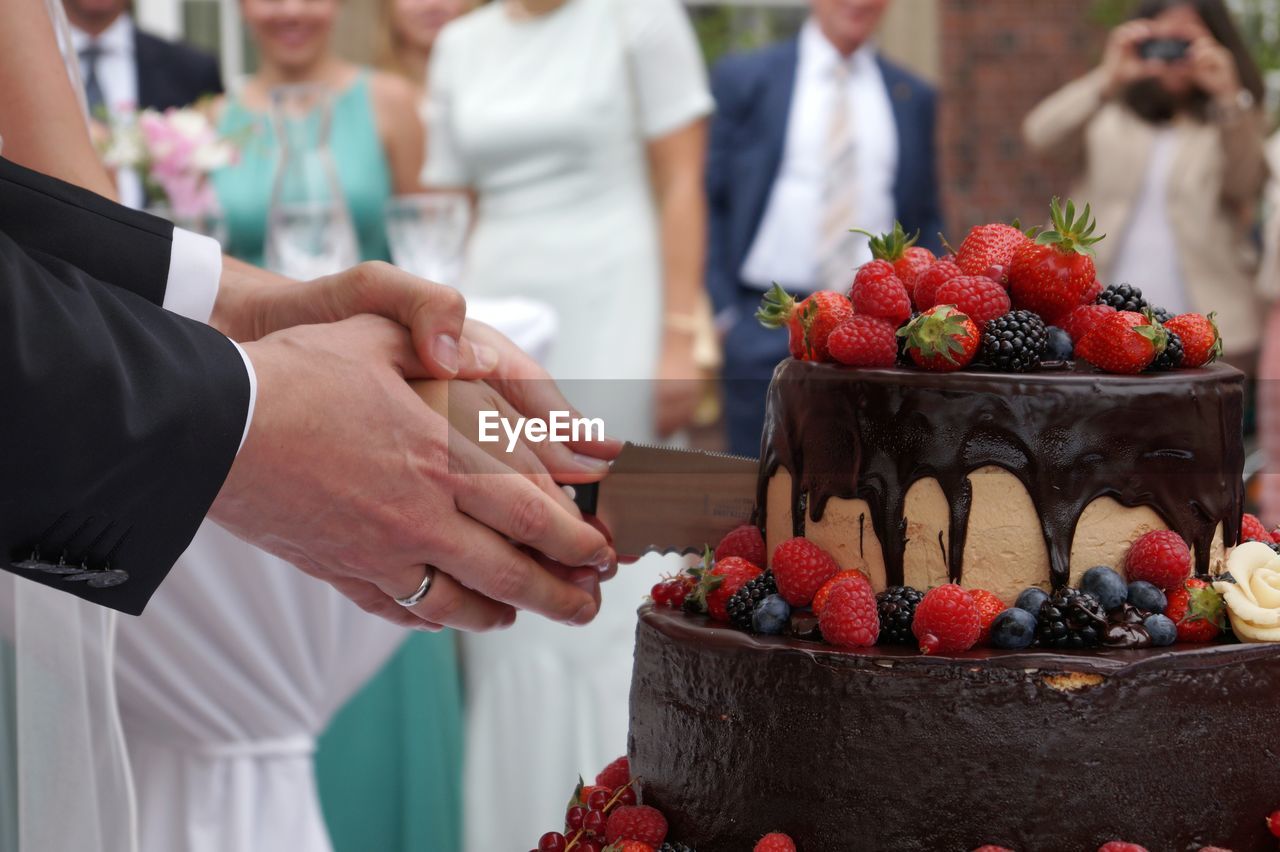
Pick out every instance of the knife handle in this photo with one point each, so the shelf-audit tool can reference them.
(586, 497)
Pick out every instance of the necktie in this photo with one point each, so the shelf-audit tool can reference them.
(90, 55)
(837, 248)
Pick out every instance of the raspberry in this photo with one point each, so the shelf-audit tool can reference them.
(850, 619)
(989, 606)
(637, 822)
(881, 296)
(977, 296)
(745, 541)
(947, 621)
(801, 567)
(1081, 320)
(820, 597)
(1251, 529)
(864, 341)
(615, 775)
(928, 282)
(1273, 823)
(1161, 558)
(872, 271)
(1121, 846)
(775, 842)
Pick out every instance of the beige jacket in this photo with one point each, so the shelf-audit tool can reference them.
(1217, 180)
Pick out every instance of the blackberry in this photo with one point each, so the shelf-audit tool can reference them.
(1161, 315)
(1123, 297)
(744, 601)
(1071, 619)
(897, 607)
(1274, 546)
(1014, 342)
(1170, 358)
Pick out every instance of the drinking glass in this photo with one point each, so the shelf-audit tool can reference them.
(428, 234)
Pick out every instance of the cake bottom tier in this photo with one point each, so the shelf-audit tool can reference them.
(733, 736)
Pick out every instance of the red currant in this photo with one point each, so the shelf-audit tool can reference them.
(552, 841)
(598, 799)
(573, 818)
(594, 822)
(661, 594)
(1273, 823)
(624, 796)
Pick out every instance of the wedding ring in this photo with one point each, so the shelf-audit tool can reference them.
(421, 591)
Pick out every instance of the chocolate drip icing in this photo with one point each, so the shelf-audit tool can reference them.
(1170, 441)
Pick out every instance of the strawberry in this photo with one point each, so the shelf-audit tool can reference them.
(1091, 295)
(1121, 846)
(1273, 823)
(800, 568)
(989, 606)
(947, 621)
(637, 822)
(988, 250)
(864, 341)
(808, 321)
(615, 775)
(775, 842)
(900, 250)
(1201, 343)
(1054, 273)
(1125, 342)
(820, 597)
(717, 581)
(924, 289)
(1197, 610)
(745, 541)
(1160, 557)
(941, 339)
(885, 297)
(1275, 535)
(849, 618)
(1251, 529)
(975, 295)
(1082, 320)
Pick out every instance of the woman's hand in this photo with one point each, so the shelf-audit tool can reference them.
(680, 384)
(1214, 68)
(1122, 64)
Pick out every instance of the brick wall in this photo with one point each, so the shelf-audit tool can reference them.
(998, 59)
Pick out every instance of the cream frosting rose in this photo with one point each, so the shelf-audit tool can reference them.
(1253, 600)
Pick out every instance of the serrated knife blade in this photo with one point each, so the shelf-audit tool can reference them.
(663, 500)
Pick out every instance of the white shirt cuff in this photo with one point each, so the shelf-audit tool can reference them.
(195, 267)
(253, 392)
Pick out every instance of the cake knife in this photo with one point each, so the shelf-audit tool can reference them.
(656, 499)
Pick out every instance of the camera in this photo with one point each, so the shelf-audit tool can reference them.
(1164, 49)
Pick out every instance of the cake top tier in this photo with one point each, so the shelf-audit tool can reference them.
(1170, 441)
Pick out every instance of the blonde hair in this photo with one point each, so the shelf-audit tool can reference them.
(388, 52)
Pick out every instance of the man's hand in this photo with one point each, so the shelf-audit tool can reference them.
(253, 303)
(348, 475)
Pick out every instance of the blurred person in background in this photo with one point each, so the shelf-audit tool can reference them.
(1168, 131)
(812, 137)
(580, 128)
(125, 69)
(375, 135)
(1269, 359)
(407, 31)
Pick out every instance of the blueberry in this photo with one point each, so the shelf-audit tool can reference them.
(1013, 629)
(1161, 629)
(771, 616)
(1105, 585)
(1030, 600)
(1059, 347)
(1147, 597)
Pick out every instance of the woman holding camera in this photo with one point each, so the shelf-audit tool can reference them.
(1168, 135)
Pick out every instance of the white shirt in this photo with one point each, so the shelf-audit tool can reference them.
(786, 245)
(118, 76)
(1148, 253)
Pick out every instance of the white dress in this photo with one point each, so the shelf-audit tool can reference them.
(547, 120)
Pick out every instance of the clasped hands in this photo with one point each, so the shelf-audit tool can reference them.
(348, 475)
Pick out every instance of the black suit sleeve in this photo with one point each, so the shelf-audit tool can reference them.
(721, 282)
(108, 241)
(121, 422)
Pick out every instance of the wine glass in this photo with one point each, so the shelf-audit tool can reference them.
(428, 234)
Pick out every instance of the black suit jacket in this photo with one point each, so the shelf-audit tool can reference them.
(172, 74)
(121, 419)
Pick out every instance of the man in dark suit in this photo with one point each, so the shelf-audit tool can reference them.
(811, 137)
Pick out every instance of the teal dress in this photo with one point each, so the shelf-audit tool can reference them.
(244, 189)
(389, 767)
